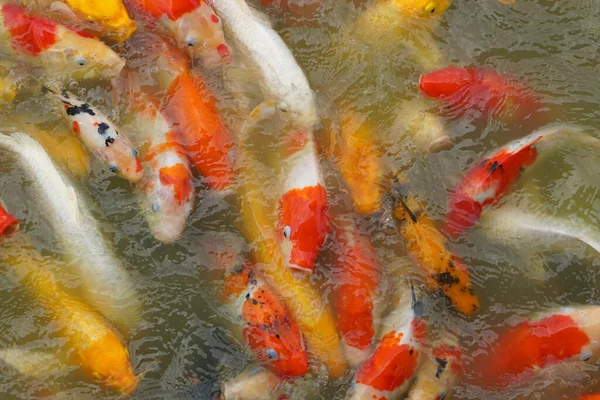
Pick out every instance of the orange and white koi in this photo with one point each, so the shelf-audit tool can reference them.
(391, 369)
(426, 246)
(268, 328)
(193, 23)
(99, 348)
(303, 211)
(100, 136)
(59, 50)
(357, 276)
(8, 223)
(561, 336)
(167, 180)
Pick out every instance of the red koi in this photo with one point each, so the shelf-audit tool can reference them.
(268, 329)
(568, 335)
(8, 223)
(481, 89)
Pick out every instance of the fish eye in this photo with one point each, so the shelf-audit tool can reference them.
(442, 396)
(113, 168)
(81, 61)
(585, 356)
(205, 44)
(287, 232)
(272, 354)
(430, 8)
(155, 207)
(191, 41)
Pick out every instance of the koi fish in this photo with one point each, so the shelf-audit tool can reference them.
(562, 336)
(259, 384)
(102, 17)
(390, 371)
(303, 214)
(269, 330)
(357, 277)
(100, 136)
(421, 8)
(360, 164)
(590, 397)
(60, 51)
(8, 223)
(481, 89)
(99, 348)
(107, 284)
(426, 246)
(168, 181)
(193, 23)
(282, 80)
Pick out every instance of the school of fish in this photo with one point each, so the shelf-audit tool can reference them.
(314, 298)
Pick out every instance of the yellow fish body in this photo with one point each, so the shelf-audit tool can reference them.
(99, 348)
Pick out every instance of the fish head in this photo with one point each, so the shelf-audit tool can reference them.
(108, 361)
(422, 8)
(272, 333)
(169, 188)
(201, 31)
(303, 225)
(447, 82)
(122, 159)
(80, 56)
(110, 14)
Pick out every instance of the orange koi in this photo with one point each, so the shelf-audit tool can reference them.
(193, 23)
(426, 245)
(269, 330)
(566, 335)
(8, 223)
(61, 51)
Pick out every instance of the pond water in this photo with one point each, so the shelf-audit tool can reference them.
(186, 344)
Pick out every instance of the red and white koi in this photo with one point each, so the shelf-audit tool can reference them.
(268, 328)
(565, 335)
(390, 371)
(303, 211)
(357, 277)
(101, 137)
(193, 23)
(60, 51)
(493, 177)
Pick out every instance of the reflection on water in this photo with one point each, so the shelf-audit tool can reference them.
(185, 344)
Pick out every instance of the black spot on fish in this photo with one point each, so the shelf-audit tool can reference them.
(109, 141)
(411, 352)
(247, 296)
(103, 127)
(254, 302)
(82, 109)
(446, 279)
(65, 94)
(441, 366)
(493, 166)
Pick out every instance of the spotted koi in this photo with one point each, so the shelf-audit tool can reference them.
(62, 52)
(100, 136)
(268, 328)
(303, 211)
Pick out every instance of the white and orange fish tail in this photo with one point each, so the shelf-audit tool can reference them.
(303, 210)
(357, 278)
(268, 328)
(391, 369)
(101, 137)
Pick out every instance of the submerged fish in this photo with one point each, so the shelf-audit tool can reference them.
(482, 89)
(259, 384)
(59, 50)
(427, 247)
(303, 213)
(101, 137)
(193, 23)
(104, 17)
(107, 284)
(390, 371)
(565, 335)
(98, 347)
(37, 364)
(268, 328)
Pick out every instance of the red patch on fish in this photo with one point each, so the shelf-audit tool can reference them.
(297, 140)
(173, 9)
(214, 19)
(179, 177)
(138, 165)
(482, 89)
(305, 212)
(76, 128)
(484, 184)
(223, 51)
(8, 223)
(419, 330)
(273, 334)
(192, 110)
(29, 34)
(390, 365)
(527, 346)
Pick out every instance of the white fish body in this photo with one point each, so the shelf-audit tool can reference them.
(108, 287)
(282, 79)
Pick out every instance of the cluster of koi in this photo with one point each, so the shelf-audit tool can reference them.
(185, 135)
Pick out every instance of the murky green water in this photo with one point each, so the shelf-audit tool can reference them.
(185, 345)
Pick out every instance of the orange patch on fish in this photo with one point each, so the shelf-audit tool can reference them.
(76, 128)
(390, 365)
(173, 9)
(179, 177)
(29, 34)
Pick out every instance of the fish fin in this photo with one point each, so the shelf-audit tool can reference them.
(60, 9)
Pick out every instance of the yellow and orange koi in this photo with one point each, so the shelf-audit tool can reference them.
(427, 247)
(98, 347)
(62, 52)
(101, 17)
